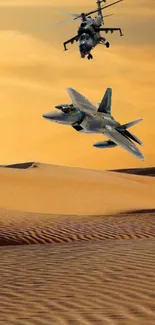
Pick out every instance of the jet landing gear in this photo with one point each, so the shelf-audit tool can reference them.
(89, 56)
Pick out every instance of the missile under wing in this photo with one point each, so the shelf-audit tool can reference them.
(80, 102)
(123, 141)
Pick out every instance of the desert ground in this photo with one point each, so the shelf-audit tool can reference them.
(77, 246)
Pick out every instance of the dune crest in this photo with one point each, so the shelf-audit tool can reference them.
(25, 165)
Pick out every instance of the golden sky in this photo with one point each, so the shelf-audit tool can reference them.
(35, 72)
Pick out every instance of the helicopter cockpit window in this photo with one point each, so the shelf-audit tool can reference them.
(84, 23)
(84, 37)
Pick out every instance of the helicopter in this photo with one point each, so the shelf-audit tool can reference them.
(89, 31)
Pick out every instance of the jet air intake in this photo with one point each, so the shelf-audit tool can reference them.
(65, 108)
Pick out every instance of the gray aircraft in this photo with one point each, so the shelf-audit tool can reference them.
(83, 116)
(89, 32)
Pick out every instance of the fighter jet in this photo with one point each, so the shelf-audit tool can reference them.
(84, 117)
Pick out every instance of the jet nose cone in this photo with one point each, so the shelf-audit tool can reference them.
(46, 115)
(49, 116)
(53, 116)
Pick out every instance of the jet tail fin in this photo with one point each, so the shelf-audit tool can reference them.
(133, 137)
(105, 105)
(123, 129)
(130, 135)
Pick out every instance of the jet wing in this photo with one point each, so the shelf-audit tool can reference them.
(80, 102)
(71, 40)
(123, 142)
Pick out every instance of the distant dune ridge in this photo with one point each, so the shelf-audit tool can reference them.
(149, 171)
(24, 165)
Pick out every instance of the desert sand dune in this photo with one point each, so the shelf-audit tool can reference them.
(64, 190)
(91, 263)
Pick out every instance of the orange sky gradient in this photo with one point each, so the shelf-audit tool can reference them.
(35, 72)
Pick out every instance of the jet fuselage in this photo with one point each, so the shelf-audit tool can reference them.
(94, 123)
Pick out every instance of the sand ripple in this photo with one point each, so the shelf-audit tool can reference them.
(30, 228)
(82, 283)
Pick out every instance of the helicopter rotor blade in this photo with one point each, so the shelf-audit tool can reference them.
(108, 15)
(65, 21)
(111, 4)
(102, 8)
(96, 10)
(68, 13)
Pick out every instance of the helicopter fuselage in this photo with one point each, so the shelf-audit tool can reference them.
(87, 43)
(89, 37)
